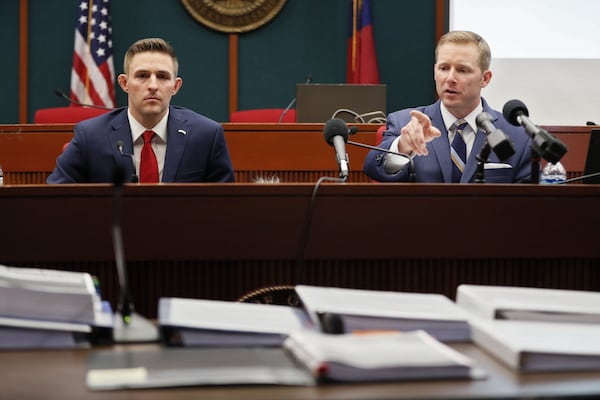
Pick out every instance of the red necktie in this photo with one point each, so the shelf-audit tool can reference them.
(148, 163)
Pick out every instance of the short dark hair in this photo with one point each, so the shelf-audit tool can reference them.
(150, 45)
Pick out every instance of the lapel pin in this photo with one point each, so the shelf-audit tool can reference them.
(182, 132)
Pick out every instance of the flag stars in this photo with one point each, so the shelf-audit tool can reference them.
(83, 5)
(100, 52)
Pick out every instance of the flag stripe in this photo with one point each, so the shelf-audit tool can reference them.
(92, 74)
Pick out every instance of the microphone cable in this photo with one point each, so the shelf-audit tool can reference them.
(305, 233)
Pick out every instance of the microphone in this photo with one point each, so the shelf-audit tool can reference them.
(410, 164)
(308, 80)
(62, 94)
(120, 147)
(498, 141)
(128, 325)
(336, 134)
(545, 144)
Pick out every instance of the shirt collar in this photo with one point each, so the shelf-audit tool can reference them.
(138, 129)
(450, 119)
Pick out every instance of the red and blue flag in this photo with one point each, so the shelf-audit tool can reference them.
(362, 59)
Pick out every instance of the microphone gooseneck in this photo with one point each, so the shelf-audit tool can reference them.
(128, 326)
(120, 146)
(125, 306)
(409, 166)
(62, 94)
(289, 106)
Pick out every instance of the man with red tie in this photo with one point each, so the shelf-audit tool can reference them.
(151, 140)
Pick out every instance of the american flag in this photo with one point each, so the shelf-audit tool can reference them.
(93, 73)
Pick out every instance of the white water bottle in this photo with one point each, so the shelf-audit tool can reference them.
(553, 173)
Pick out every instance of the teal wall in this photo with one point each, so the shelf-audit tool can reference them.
(308, 36)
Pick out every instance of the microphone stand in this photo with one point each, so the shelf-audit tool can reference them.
(285, 110)
(129, 326)
(580, 178)
(481, 160)
(535, 166)
(62, 94)
(411, 170)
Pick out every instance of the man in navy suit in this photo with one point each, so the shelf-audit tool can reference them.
(461, 71)
(188, 147)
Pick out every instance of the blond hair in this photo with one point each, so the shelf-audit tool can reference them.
(465, 37)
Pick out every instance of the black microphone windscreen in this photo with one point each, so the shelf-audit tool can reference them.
(512, 109)
(335, 127)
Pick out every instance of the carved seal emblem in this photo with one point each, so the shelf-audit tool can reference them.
(233, 16)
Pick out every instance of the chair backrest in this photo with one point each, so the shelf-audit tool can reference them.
(379, 135)
(66, 115)
(263, 115)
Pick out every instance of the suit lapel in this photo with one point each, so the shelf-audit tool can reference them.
(177, 136)
(441, 145)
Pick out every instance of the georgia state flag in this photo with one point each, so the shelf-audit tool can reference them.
(362, 60)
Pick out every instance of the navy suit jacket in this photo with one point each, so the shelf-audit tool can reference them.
(436, 167)
(196, 150)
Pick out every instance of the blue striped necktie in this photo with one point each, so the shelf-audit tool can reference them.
(458, 150)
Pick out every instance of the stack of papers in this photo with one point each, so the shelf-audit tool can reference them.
(382, 356)
(540, 346)
(367, 310)
(43, 308)
(530, 304)
(197, 322)
(532, 329)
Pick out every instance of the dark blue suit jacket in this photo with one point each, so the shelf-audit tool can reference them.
(196, 150)
(436, 167)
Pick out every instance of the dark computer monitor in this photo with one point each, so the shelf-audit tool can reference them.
(592, 160)
(318, 102)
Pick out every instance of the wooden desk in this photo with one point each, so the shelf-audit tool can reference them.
(60, 375)
(220, 241)
(292, 152)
